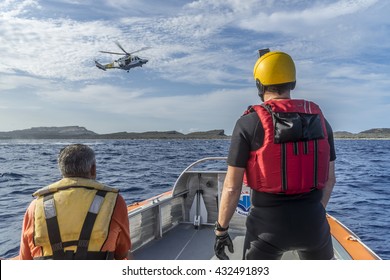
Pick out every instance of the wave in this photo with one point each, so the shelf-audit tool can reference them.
(142, 169)
(11, 175)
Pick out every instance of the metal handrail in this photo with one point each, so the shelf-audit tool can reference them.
(194, 164)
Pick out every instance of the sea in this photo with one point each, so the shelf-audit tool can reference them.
(144, 168)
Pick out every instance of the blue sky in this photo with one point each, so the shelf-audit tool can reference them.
(201, 57)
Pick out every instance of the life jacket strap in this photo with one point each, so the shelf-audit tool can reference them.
(284, 166)
(70, 255)
(315, 164)
(52, 226)
(56, 243)
(86, 230)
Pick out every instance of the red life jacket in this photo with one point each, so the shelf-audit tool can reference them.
(294, 157)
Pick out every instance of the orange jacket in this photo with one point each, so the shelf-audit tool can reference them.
(118, 240)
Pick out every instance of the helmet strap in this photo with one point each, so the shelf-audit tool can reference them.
(261, 89)
(261, 95)
(293, 85)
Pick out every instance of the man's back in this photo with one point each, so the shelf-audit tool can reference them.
(76, 217)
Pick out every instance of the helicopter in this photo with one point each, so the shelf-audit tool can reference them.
(125, 62)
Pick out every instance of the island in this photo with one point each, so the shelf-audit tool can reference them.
(77, 132)
(374, 133)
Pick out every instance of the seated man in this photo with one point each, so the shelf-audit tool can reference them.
(76, 217)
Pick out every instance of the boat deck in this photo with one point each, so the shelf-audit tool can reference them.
(184, 242)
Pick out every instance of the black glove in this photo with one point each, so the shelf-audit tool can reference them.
(219, 246)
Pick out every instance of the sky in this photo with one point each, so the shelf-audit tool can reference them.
(201, 56)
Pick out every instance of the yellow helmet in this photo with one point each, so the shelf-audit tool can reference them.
(274, 68)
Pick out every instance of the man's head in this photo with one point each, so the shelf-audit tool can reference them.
(77, 161)
(274, 72)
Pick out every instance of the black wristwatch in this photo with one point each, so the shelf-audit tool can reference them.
(217, 227)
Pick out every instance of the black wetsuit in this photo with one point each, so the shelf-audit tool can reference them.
(277, 222)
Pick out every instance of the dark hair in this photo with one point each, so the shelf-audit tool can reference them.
(281, 88)
(76, 160)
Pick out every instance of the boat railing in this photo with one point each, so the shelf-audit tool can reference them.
(194, 199)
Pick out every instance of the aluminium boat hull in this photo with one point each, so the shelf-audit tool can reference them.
(178, 224)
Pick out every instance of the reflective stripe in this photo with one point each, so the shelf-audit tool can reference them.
(49, 207)
(96, 204)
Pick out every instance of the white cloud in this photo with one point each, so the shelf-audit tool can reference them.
(65, 48)
(205, 47)
(12, 8)
(51, 48)
(227, 6)
(352, 72)
(216, 109)
(149, 7)
(293, 20)
(112, 99)
(14, 82)
(332, 29)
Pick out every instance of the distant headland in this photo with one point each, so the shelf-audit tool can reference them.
(374, 133)
(78, 132)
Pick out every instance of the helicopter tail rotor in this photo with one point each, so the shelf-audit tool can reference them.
(100, 66)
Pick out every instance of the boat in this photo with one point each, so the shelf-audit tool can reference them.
(179, 224)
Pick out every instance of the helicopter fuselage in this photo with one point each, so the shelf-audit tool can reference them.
(125, 62)
(128, 62)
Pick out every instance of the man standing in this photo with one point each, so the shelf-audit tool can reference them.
(283, 150)
(76, 217)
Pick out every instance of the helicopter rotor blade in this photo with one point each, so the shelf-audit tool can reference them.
(119, 46)
(124, 51)
(145, 48)
(112, 53)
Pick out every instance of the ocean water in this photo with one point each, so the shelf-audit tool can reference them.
(144, 168)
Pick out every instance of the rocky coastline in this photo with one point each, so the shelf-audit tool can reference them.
(375, 133)
(78, 132)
